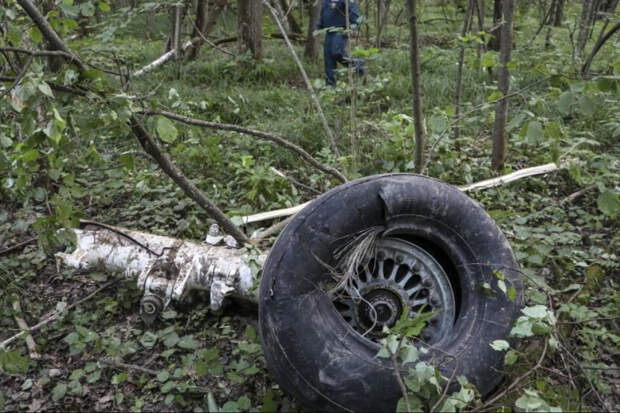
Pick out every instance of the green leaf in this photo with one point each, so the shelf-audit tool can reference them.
(188, 343)
(586, 106)
(553, 131)
(244, 403)
(5, 141)
(94, 376)
(168, 386)
(31, 155)
(409, 354)
(534, 131)
(148, 339)
(87, 9)
(171, 340)
(166, 129)
(45, 89)
(510, 358)
(500, 345)
(564, 102)
(163, 376)
(488, 60)
(512, 293)
(35, 35)
(609, 203)
(104, 7)
(71, 338)
(59, 392)
(12, 362)
(536, 311)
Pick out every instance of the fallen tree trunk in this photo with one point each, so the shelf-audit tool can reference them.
(166, 268)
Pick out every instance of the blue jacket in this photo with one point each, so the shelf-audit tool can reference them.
(333, 13)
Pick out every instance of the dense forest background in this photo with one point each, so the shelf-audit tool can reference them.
(87, 118)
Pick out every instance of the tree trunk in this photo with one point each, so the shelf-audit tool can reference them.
(207, 14)
(494, 43)
(557, 12)
(597, 46)
(589, 10)
(382, 22)
(418, 120)
(200, 25)
(250, 27)
(293, 26)
(459, 71)
(311, 51)
(503, 85)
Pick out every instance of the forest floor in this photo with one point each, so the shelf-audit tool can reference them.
(563, 227)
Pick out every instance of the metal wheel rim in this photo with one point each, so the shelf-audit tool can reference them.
(401, 274)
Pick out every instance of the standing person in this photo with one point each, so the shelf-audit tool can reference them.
(333, 19)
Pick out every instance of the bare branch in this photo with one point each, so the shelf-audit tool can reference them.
(259, 134)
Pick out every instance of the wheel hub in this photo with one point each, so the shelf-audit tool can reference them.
(401, 275)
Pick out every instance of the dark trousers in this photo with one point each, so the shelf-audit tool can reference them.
(334, 52)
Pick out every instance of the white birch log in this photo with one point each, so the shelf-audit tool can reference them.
(164, 266)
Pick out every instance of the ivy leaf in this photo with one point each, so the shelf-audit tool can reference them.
(609, 204)
(166, 129)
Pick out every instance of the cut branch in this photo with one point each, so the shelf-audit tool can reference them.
(32, 347)
(252, 132)
(487, 183)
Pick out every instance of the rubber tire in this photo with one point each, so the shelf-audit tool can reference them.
(316, 356)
